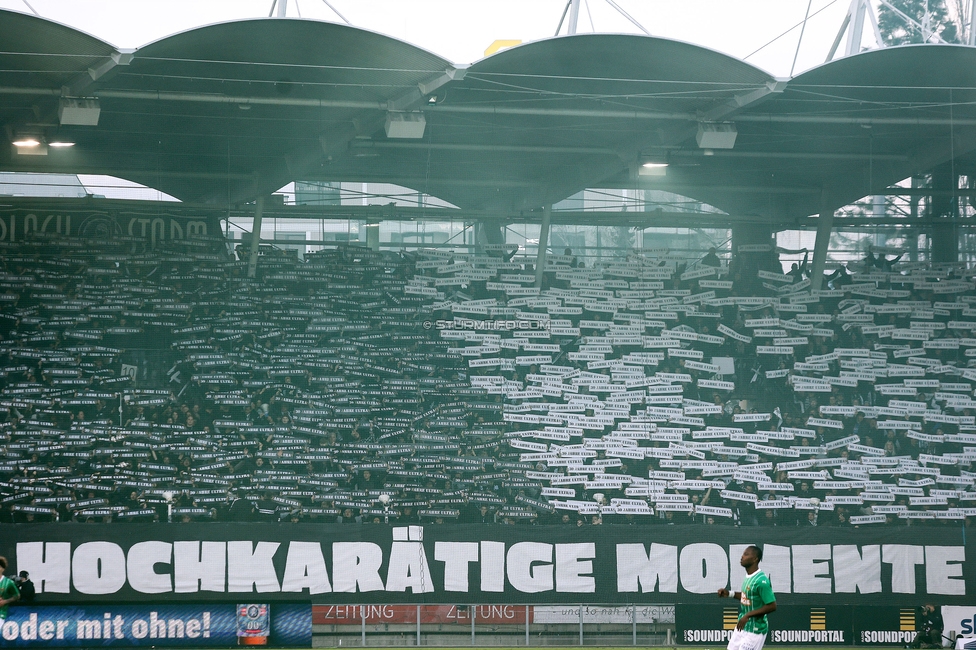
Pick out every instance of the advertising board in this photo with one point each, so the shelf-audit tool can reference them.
(790, 625)
(280, 624)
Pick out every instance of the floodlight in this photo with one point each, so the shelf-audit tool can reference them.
(405, 125)
(716, 135)
(79, 111)
(657, 167)
(29, 144)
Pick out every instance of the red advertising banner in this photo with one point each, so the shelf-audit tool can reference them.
(405, 614)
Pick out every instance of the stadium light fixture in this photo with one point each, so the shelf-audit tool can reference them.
(409, 125)
(79, 111)
(29, 144)
(653, 166)
(716, 135)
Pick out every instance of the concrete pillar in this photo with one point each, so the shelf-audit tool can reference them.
(540, 260)
(751, 233)
(944, 212)
(373, 236)
(488, 232)
(945, 241)
(913, 214)
(825, 224)
(252, 260)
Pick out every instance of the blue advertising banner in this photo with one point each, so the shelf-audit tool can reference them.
(285, 625)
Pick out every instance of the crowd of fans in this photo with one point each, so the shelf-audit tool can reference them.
(364, 387)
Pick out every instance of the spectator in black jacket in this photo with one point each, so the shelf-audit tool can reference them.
(26, 588)
(930, 626)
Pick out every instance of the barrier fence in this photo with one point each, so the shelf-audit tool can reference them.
(633, 624)
(493, 625)
(279, 624)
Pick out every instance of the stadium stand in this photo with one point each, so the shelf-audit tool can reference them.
(146, 385)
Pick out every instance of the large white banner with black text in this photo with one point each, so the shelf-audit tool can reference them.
(484, 564)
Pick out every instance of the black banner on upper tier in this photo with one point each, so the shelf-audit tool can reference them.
(24, 223)
(486, 564)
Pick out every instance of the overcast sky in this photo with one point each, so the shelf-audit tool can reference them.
(460, 30)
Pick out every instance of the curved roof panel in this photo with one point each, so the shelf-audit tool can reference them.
(281, 58)
(565, 112)
(930, 66)
(225, 112)
(851, 127)
(614, 70)
(42, 53)
(38, 58)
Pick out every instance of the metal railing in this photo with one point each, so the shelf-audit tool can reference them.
(492, 625)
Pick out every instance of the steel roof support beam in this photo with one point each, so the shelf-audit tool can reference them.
(878, 38)
(82, 83)
(911, 22)
(871, 121)
(837, 39)
(415, 182)
(744, 100)
(972, 24)
(633, 21)
(122, 172)
(825, 225)
(856, 31)
(574, 7)
(789, 155)
(336, 12)
(683, 189)
(252, 258)
(854, 26)
(862, 9)
(540, 259)
(301, 160)
(493, 110)
(451, 146)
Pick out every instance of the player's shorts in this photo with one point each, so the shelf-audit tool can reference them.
(742, 640)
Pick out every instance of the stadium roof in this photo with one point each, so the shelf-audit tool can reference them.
(223, 113)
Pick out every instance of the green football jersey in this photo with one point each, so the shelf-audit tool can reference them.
(756, 593)
(8, 589)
